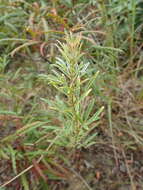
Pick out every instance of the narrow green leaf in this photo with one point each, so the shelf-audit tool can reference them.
(88, 110)
(84, 95)
(92, 80)
(90, 139)
(13, 158)
(107, 48)
(25, 182)
(95, 117)
(7, 112)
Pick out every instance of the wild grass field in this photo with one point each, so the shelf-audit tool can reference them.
(71, 95)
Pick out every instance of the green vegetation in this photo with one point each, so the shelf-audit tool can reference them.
(71, 94)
